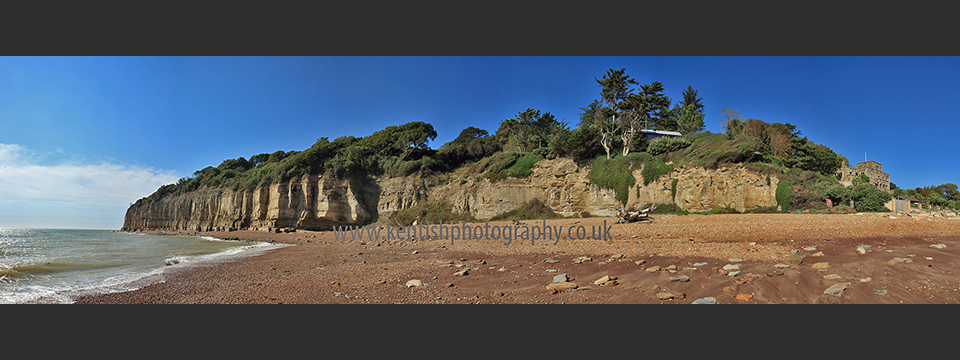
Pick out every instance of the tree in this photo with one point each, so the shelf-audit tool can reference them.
(731, 127)
(614, 89)
(528, 130)
(690, 98)
(472, 144)
(588, 114)
(814, 157)
(640, 109)
(690, 120)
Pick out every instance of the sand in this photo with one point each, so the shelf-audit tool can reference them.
(321, 269)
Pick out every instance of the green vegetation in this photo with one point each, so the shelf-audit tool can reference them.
(783, 195)
(665, 145)
(533, 209)
(804, 172)
(428, 212)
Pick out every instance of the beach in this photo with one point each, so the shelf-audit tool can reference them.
(868, 258)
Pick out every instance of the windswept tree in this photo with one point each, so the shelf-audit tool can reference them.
(528, 131)
(614, 90)
(641, 109)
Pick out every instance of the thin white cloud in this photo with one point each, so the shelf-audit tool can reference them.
(83, 185)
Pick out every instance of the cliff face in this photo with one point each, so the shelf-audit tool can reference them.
(315, 203)
(310, 202)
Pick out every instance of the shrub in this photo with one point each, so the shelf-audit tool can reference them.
(431, 212)
(652, 170)
(531, 210)
(665, 145)
(521, 168)
(545, 153)
(613, 174)
(783, 195)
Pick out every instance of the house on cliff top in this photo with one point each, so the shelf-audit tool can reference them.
(656, 134)
(873, 171)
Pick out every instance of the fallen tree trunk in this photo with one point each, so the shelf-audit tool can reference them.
(634, 216)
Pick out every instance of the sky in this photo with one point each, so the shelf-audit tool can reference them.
(81, 138)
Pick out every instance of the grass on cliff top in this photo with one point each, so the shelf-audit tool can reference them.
(503, 164)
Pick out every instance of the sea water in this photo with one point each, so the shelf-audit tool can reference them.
(56, 265)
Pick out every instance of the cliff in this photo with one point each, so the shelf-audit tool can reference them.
(309, 202)
(316, 203)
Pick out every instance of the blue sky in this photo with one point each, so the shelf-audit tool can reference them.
(83, 137)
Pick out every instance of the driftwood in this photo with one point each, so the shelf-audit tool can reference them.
(634, 216)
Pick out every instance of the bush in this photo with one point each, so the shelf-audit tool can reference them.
(653, 170)
(531, 210)
(665, 145)
(521, 168)
(545, 153)
(614, 174)
(783, 195)
(431, 212)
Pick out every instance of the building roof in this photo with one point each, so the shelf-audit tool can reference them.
(901, 197)
(661, 132)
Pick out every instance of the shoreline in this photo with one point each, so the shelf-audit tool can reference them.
(321, 269)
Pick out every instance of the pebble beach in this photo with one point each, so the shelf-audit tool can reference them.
(866, 258)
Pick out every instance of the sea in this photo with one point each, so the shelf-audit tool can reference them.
(57, 265)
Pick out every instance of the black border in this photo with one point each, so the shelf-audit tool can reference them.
(488, 28)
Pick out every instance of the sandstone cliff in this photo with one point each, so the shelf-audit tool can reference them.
(310, 202)
(316, 203)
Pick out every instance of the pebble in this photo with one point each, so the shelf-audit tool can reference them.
(743, 297)
(671, 267)
(810, 248)
(928, 258)
(831, 277)
(899, 260)
(880, 292)
(640, 262)
(700, 264)
(938, 246)
(821, 265)
(414, 283)
(551, 260)
(861, 250)
(551, 270)
(796, 259)
(665, 296)
(819, 253)
(836, 289)
(680, 278)
(653, 268)
(730, 267)
(561, 286)
(781, 266)
(735, 259)
(706, 300)
(602, 280)
(866, 279)
(463, 272)
(733, 273)
(560, 278)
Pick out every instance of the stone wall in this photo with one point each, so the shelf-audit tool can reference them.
(872, 169)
